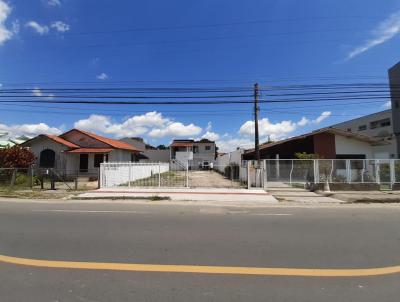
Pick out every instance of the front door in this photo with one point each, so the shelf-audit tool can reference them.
(83, 162)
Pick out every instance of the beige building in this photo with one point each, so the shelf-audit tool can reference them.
(78, 151)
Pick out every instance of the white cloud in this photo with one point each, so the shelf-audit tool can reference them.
(60, 26)
(231, 144)
(281, 129)
(324, 115)
(37, 92)
(54, 2)
(266, 128)
(102, 76)
(5, 33)
(387, 105)
(29, 129)
(151, 123)
(40, 29)
(304, 121)
(176, 129)
(210, 135)
(385, 31)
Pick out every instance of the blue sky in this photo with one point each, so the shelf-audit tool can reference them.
(94, 43)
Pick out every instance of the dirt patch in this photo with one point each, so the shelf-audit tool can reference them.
(210, 179)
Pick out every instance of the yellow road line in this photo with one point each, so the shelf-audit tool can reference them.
(199, 269)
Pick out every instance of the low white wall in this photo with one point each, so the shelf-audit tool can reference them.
(116, 174)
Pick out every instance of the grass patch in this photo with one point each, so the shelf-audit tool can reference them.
(169, 178)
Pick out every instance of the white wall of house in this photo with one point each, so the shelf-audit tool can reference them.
(202, 154)
(346, 145)
(41, 144)
(364, 125)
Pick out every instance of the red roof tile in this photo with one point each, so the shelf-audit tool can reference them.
(109, 141)
(62, 141)
(90, 150)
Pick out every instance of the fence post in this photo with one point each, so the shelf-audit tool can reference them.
(290, 175)
(129, 174)
(377, 171)
(265, 186)
(392, 173)
(348, 171)
(13, 177)
(30, 175)
(159, 174)
(187, 174)
(316, 171)
(248, 176)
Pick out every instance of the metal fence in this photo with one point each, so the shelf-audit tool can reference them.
(47, 178)
(132, 174)
(351, 171)
(175, 174)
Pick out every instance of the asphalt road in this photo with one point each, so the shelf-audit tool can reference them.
(335, 237)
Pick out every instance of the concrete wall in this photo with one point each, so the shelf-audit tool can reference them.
(346, 145)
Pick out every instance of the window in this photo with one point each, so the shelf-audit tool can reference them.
(195, 149)
(362, 127)
(98, 159)
(47, 158)
(208, 148)
(381, 123)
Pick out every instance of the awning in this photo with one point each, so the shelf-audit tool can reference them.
(90, 150)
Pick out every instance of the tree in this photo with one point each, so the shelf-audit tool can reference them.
(161, 147)
(16, 157)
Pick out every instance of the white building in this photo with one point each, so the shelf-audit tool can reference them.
(196, 154)
(378, 126)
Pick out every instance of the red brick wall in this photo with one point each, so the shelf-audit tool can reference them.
(324, 145)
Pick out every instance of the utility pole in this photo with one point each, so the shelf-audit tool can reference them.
(256, 111)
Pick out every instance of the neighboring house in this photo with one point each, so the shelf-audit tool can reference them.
(148, 152)
(384, 125)
(328, 143)
(231, 158)
(194, 153)
(378, 126)
(78, 151)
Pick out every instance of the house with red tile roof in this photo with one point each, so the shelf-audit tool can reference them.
(78, 152)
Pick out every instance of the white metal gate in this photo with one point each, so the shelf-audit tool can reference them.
(178, 174)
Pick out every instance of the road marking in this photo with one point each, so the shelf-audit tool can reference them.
(90, 211)
(200, 269)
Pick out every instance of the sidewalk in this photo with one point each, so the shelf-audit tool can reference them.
(256, 196)
(365, 196)
(297, 195)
